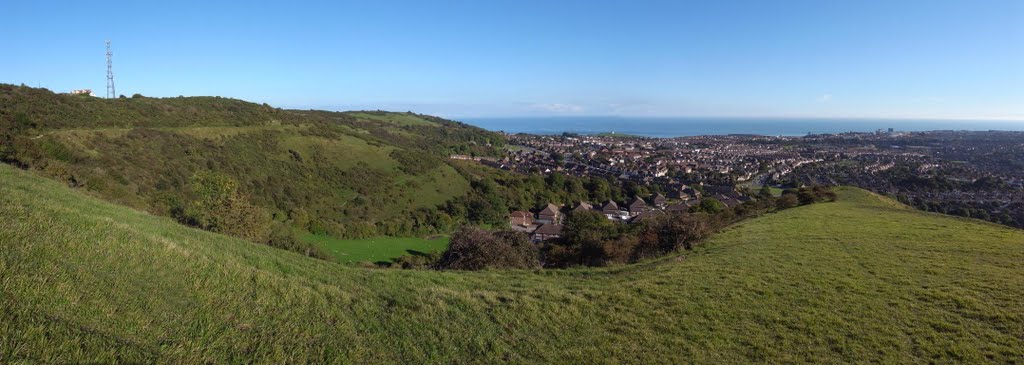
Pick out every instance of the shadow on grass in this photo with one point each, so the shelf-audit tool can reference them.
(417, 253)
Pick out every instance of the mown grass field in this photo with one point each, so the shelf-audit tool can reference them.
(862, 280)
(376, 249)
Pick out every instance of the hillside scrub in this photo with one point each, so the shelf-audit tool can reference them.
(356, 174)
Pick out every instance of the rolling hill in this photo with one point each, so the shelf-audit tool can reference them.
(861, 280)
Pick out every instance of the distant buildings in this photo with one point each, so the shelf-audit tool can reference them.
(82, 92)
(547, 223)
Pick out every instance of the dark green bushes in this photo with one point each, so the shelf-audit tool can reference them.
(415, 163)
(218, 206)
(810, 195)
(473, 248)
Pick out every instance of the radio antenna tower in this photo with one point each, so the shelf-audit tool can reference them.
(110, 73)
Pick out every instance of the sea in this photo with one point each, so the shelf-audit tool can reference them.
(682, 127)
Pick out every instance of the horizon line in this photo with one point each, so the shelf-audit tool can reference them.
(1019, 119)
(910, 119)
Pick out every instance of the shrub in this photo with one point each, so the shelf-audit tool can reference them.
(815, 194)
(787, 201)
(473, 248)
(692, 228)
(682, 231)
(286, 237)
(619, 251)
(824, 193)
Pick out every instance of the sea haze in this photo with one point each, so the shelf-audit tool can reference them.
(678, 127)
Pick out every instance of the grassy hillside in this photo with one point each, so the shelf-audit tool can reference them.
(353, 174)
(859, 280)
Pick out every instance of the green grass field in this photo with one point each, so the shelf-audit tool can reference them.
(862, 280)
(376, 249)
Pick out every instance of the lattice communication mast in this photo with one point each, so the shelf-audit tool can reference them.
(110, 73)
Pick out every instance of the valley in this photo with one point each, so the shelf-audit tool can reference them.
(861, 279)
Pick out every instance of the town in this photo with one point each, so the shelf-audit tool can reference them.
(975, 174)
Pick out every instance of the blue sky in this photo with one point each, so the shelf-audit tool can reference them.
(792, 58)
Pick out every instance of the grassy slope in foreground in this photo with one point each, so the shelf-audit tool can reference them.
(860, 280)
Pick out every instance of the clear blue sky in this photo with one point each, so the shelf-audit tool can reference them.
(822, 58)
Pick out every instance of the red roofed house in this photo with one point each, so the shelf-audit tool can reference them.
(520, 218)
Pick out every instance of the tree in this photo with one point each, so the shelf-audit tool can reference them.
(558, 158)
(575, 190)
(556, 181)
(711, 206)
(586, 226)
(585, 234)
(599, 189)
(219, 207)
